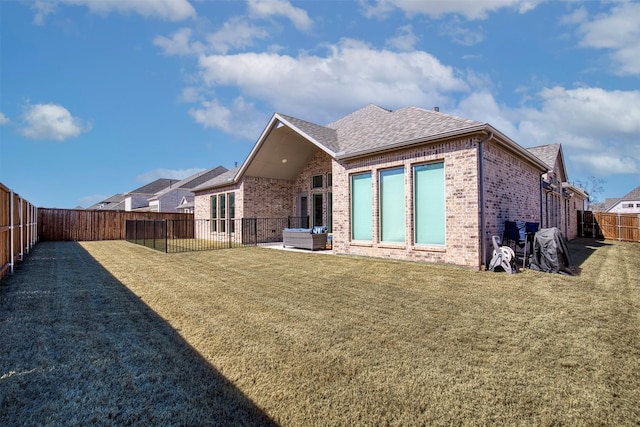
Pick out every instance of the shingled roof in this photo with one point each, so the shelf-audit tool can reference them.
(546, 153)
(372, 127)
(113, 203)
(193, 181)
(154, 187)
(632, 195)
(369, 130)
(220, 180)
(324, 135)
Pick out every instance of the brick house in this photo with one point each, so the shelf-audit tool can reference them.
(411, 184)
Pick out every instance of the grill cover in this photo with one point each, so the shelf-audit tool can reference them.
(550, 252)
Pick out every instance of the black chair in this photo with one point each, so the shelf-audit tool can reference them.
(520, 234)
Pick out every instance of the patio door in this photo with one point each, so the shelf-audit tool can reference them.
(317, 209)
(303, 210)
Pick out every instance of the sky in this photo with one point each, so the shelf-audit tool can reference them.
(102, 97)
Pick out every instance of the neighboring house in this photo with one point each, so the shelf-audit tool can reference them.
(138, 199)
(113, 203)
(186, 204)
(410, 184)
(629, 203)
(170, 198)
(561, 200)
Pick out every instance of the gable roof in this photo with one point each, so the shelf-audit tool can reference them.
(115, 202)
(324, 135)
(154, 187)
(550, 154)
(225, 178)
(288, 143)
(632, 195)
(373, 128)
(192, 181)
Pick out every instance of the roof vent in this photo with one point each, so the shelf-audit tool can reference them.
(436, 109)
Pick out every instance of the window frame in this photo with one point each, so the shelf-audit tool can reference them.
(313, 181)
(214, 213)
(387, 211)
(357, 205)
(427, 223)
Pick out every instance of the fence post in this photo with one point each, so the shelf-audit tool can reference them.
(166, 238)
(11, 231)
(619, 228)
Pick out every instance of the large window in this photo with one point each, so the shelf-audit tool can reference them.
(429, 204)
(361, 207)
(317, 209)
(232, 212)
(222, 211)
(214, 213)
(330, 212)
(392, 207)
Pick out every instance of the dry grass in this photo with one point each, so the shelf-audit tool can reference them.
(336, 340)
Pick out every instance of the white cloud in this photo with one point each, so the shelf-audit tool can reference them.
(268, 8)
(351, 75)
(155, 174)
(4, 120)
(476, 9)
(235, 33)
(482, 106)
(179, 43)
(170, 10)
(460, 33)
(607, 163)
(241, 119)
(404, 39)
(51, 121)
(598, 128)
(42, 8)
(617, 31)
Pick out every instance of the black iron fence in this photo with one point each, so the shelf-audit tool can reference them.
(206, 234)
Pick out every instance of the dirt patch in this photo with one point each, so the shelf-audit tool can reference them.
(79, 348)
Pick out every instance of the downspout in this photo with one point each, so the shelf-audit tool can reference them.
(483, 243)
(541, 192)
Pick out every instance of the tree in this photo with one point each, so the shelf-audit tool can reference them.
(593, 185)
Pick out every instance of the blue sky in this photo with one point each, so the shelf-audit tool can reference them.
(102, 97)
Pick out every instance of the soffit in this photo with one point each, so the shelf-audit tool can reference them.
(282, 155)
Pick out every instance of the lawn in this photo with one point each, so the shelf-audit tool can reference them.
(114, 333)
(336, 340)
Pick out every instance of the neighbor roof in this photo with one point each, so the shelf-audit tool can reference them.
(632, 195)
(154, 187)
(224, 178)
(113, 203)
(192, 181)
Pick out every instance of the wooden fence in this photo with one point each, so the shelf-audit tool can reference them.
(612, 226)
(18, 229)
(85, 225)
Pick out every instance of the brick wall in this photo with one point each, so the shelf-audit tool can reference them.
(320, 164)
(461, 192)
(512, 192)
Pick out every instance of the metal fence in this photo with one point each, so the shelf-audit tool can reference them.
(173, 236)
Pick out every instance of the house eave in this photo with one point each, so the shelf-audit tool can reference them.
(483, 129)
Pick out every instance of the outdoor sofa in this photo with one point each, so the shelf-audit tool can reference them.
(305, 238)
